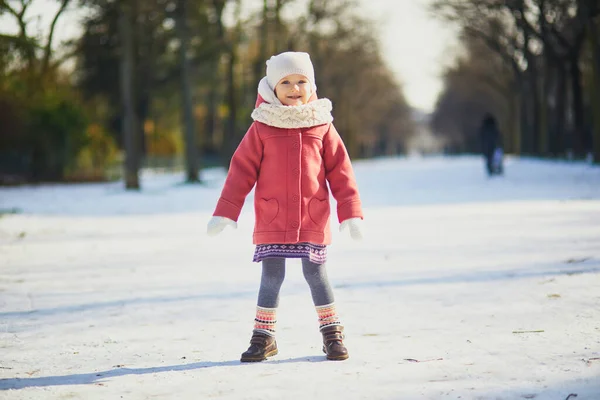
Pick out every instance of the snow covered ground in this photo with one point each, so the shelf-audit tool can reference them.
(463, 288)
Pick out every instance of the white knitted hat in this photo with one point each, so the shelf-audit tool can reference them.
(284, 64)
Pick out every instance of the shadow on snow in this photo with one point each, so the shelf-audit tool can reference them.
(98, 377)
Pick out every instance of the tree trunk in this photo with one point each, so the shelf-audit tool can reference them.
(213, 133)
(580, 145)
(230, 131)
(191, 153)
(531, 100)
(535, 112)
(517, 110)
(558, 145)
(127, 98)
(142, 112)
(516, 120)
(525, 117)
(531, 96)
(259, 64)
(595, 34)
(279, 39)
(528, 99)
(542, 142)
(211, 115)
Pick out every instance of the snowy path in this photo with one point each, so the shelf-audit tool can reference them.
(109, 295)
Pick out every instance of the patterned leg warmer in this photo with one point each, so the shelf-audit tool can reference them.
(265, 321)
(327, 315)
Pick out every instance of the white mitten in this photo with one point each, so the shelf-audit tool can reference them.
(354, 225)
(217, 224)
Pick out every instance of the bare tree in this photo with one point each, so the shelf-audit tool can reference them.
(192, 164)
(232, 97)
(594, 32)
(28, 44)
(130, 122)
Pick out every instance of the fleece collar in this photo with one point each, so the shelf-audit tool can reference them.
(317, 112)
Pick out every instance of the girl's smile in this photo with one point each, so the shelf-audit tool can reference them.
(293, 90)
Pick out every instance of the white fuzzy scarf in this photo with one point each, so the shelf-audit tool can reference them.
(273, 113)
(315, 113)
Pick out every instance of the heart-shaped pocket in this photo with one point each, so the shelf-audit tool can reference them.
(269, 208)
(318, 211)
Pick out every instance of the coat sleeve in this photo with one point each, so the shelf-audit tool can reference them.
(340, 175)
(242, 175)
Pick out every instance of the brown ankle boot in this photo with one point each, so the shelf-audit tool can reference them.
(333, 344)
(261, 347)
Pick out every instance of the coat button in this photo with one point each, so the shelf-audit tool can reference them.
(295, 224)
(296, 145)
(296, 171)
(295, 198)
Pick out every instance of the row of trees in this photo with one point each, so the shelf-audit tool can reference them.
(171, 77)
(535, 64)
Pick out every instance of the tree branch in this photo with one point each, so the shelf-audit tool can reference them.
(27, 43)
(5, 6)
(493, 44)
(18, 15)
(48, 48)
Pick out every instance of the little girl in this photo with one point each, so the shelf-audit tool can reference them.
(291, 151)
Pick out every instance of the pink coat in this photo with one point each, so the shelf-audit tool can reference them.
(291, 168)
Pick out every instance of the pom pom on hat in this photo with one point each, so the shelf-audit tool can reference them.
(288, 63)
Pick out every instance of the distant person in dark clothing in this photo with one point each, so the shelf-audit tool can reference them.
(491, 147)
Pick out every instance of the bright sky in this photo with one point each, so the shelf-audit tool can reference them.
(415, 45)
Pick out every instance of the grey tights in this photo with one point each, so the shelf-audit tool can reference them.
(273, 274)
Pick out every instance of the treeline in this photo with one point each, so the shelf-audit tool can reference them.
(535, 65)
(168, 78)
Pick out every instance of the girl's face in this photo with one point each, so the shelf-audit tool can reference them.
(293, 90)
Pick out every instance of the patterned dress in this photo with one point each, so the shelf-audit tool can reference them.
(316, 253)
